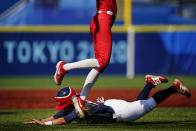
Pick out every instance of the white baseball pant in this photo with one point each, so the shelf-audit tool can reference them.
(129, 111)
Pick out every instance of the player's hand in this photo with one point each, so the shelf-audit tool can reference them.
(29, 122)
(100, 99)
(34, 121)
(37, 122)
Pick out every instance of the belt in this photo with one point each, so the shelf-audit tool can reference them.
(107, 12)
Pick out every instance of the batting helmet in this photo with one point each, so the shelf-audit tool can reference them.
(63, 97)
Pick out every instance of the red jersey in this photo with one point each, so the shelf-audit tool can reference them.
(107, 5)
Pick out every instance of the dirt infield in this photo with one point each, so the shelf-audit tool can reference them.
(42, 99)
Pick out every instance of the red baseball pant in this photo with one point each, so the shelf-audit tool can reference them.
(100, 28)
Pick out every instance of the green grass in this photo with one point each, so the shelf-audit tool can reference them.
(104, 81)
(161, 119)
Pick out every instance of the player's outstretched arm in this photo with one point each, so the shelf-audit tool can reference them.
(59, 121)
(47, 121)
(43, 120)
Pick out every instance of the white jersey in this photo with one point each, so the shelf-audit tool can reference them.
(128, 111)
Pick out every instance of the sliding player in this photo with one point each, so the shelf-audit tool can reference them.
(113, 110)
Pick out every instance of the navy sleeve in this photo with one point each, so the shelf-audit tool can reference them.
(71, 116)
(64, 112)
(59, 114)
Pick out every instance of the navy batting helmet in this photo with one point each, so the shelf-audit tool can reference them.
(63, 97)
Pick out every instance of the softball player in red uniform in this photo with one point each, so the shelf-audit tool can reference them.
(100, 28)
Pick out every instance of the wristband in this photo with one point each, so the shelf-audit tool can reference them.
(48, 123)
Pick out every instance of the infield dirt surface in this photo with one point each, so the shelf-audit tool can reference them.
(44, 99)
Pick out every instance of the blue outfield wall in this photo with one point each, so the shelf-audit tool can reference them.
(165, 53)
(38, 53)
(155, 52)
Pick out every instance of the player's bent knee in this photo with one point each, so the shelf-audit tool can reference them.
(103, 62)
(99, 70)
(102, 68)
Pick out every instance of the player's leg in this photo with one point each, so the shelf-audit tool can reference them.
(79, 101)
(83, 64)
(137, 109)
(62, 68)
(177, 87)
(151, 82)
(143, 95)
(89, 82)
(102, 38)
